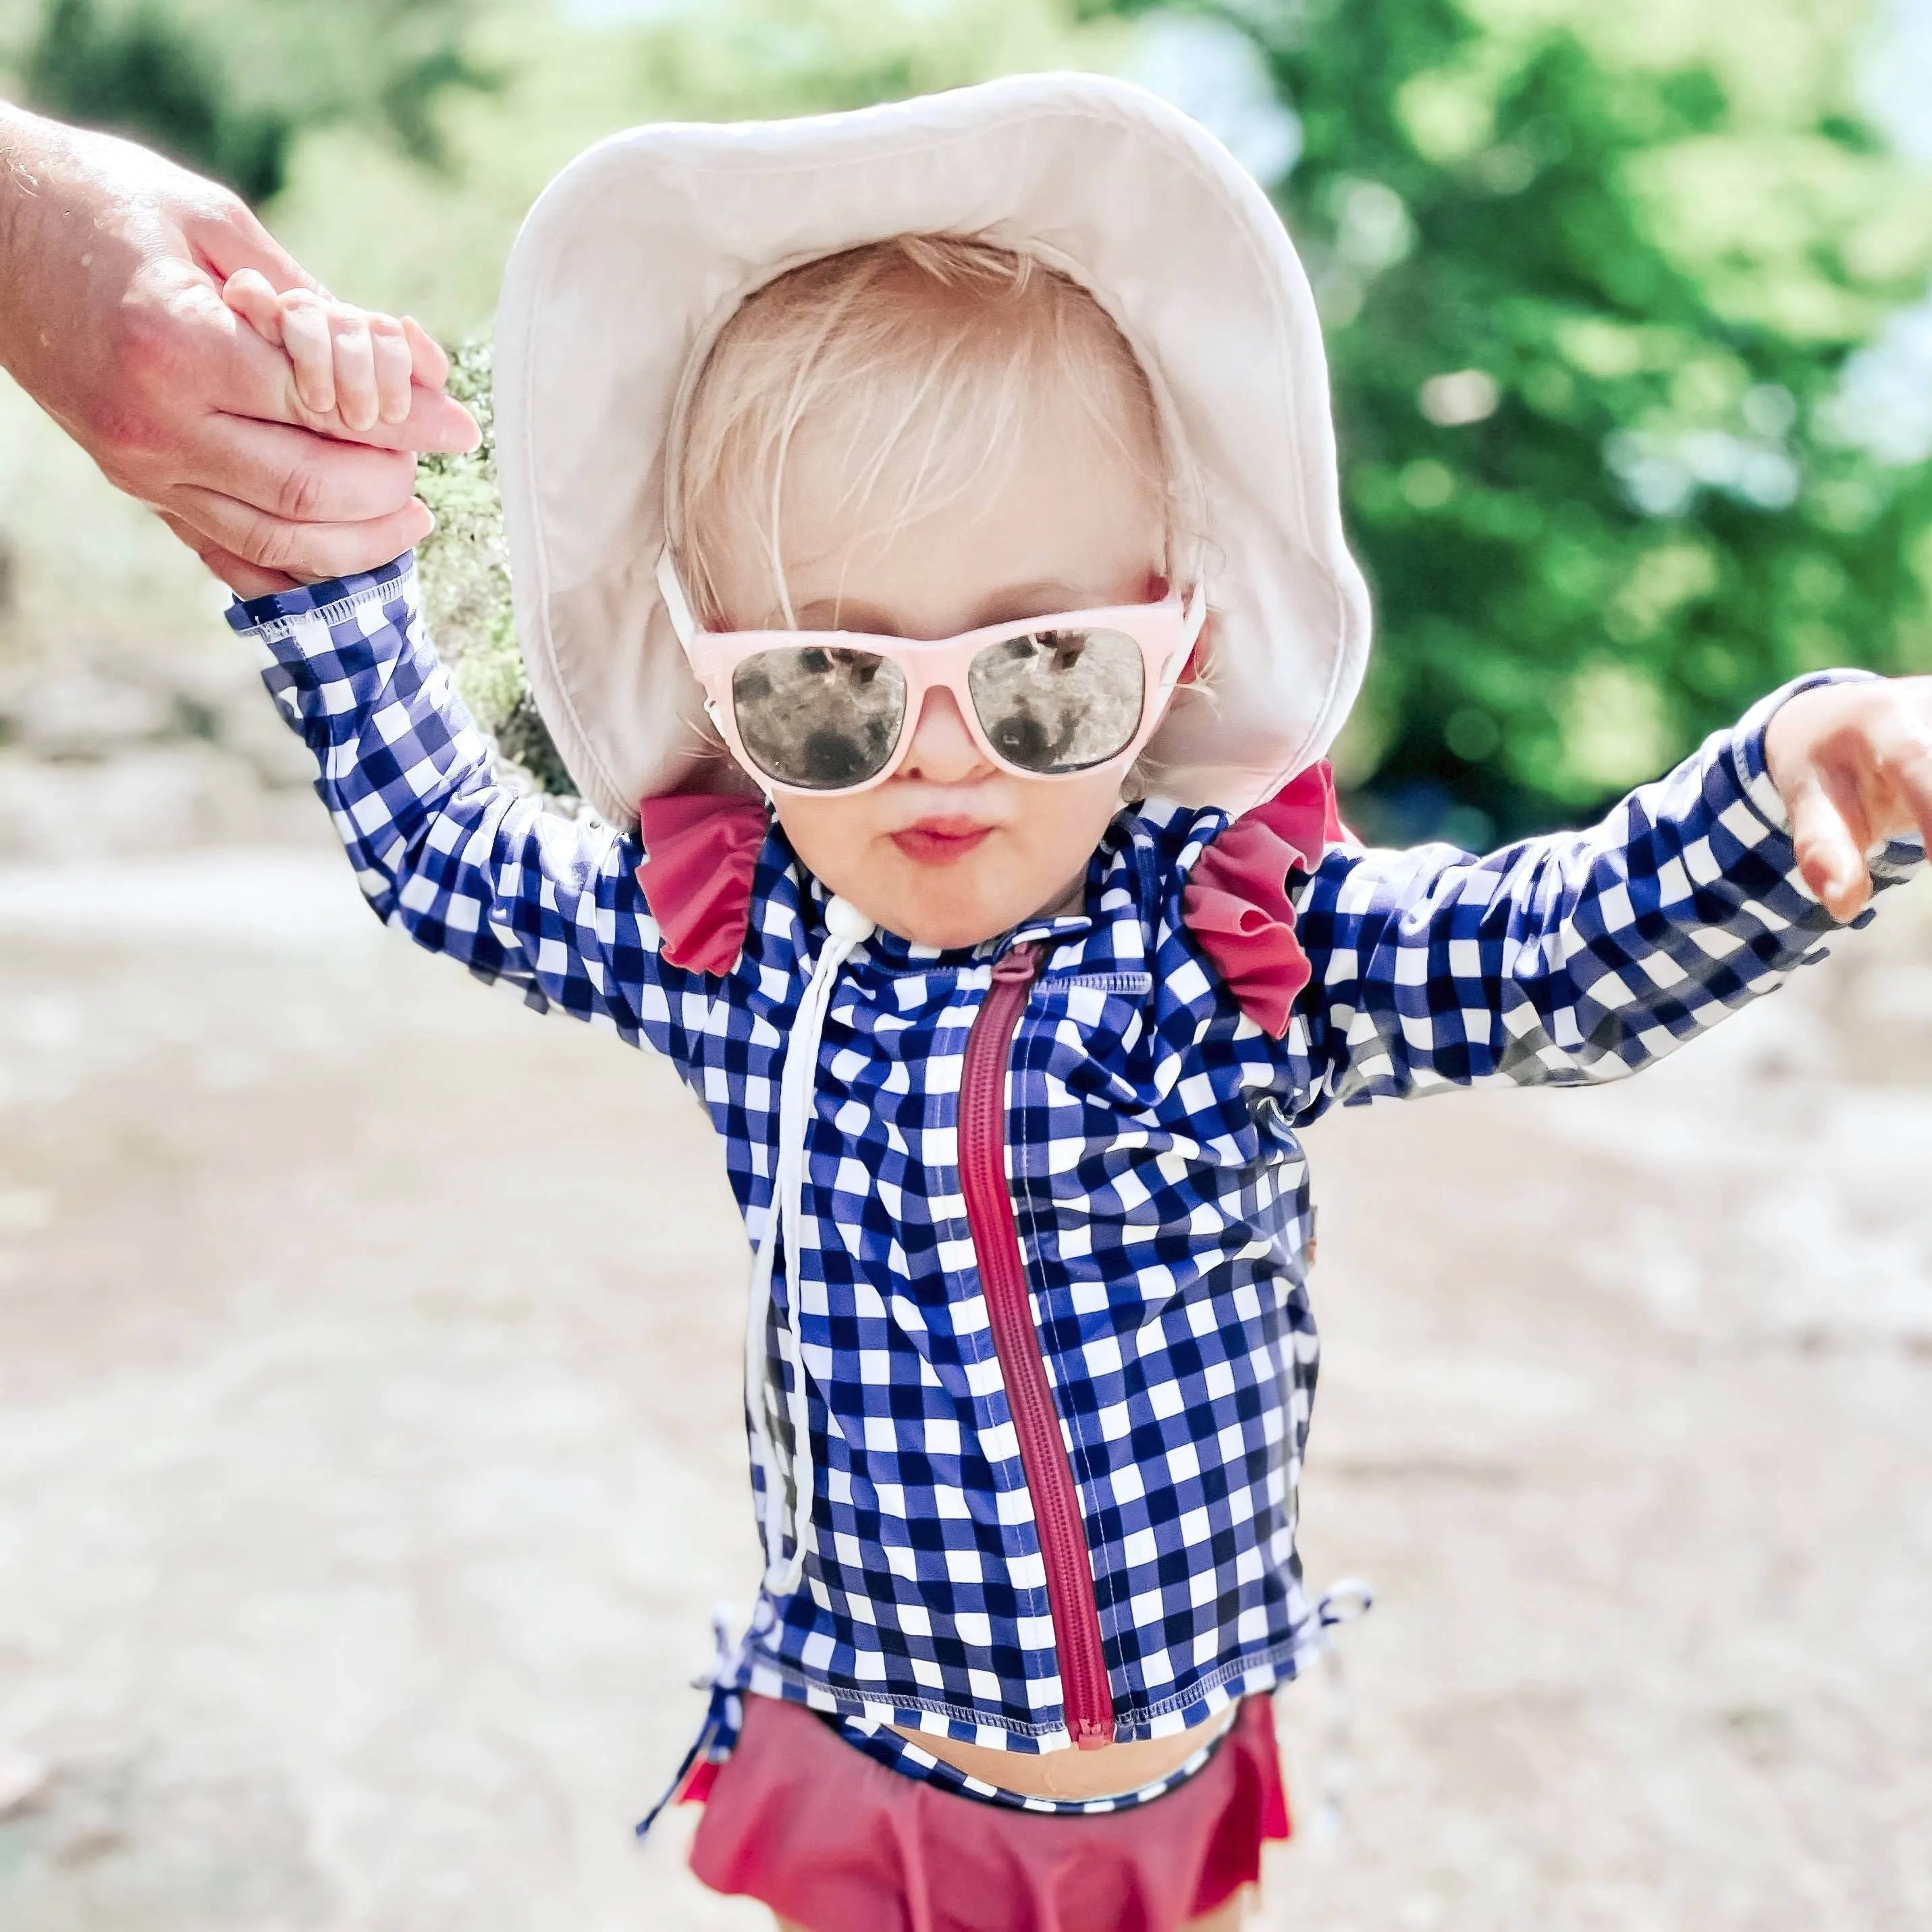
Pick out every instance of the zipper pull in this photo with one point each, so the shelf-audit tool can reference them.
(1021, 962)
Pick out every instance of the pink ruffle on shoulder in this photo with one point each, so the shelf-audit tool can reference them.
(699, 855)
(1237, 905)
(702, 851)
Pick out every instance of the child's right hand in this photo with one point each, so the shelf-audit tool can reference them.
(352, 365)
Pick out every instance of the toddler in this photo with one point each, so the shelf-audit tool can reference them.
(927, 535)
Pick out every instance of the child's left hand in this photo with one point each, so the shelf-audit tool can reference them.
(1853, 764)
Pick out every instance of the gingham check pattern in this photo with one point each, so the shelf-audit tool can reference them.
(1159, 1181)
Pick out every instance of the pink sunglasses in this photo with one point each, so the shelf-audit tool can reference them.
(1044, 697)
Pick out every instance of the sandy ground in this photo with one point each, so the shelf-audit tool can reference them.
(369, 1458)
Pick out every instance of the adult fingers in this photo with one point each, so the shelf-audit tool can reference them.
(437, 425)
(356, 399)
(230, 238)
(395, 368)
(244, 578)
(311, 346)
(1831, 855)
(306, 551)
(430, 364)
(298, 474)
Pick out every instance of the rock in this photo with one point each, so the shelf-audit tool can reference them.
(88, 1842)
(84, 713)
(25, 1783)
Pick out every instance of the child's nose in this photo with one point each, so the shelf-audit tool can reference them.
(943, 750)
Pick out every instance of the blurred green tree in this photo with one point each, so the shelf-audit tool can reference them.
(1587, 320)
(749, 59)
(226, 87)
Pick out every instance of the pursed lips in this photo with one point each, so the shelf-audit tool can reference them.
(940, 841)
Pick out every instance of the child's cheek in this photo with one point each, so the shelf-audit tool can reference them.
(824, 831)
(1060, 826)
(844, 843)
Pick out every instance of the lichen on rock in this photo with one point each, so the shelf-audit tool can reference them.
(465, 568)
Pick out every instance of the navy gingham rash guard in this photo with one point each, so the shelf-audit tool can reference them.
(1153, 1152)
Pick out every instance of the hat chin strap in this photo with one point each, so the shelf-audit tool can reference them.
(1193, 617)
(677, 606)
(846, 929)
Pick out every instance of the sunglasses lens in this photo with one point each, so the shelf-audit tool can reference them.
(1059, 700)
(817, 718)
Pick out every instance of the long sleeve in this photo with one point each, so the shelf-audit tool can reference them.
(465, 865)
(1575, 958)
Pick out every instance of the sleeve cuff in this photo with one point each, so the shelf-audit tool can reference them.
(281, 614)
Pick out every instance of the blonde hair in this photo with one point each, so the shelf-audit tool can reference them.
(921, 353)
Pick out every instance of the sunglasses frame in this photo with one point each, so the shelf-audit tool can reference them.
(1166, 633)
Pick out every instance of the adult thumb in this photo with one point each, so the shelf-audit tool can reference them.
(233, 238)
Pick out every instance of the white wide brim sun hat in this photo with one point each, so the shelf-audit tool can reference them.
(638, 254)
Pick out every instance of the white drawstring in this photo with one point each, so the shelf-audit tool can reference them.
(846, 928)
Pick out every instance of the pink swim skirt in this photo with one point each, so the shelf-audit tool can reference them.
(800, 1819)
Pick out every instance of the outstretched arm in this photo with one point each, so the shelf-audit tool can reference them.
(464, 864)
(1583, 956)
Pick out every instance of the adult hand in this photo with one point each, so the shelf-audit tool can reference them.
(1853, 764)
(112, 265)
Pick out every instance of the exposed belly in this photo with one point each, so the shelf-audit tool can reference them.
(1104, 1773)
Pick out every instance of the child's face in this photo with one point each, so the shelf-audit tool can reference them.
(953, 849)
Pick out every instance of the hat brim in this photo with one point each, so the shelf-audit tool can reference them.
(638, 253)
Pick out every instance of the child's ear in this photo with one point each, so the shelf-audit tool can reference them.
(1156, 590)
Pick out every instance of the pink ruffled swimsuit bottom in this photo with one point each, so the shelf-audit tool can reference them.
(830, 1836)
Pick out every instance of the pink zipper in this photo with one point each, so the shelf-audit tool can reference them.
(1083, 1688)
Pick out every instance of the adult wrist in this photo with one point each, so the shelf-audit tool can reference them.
(13, 160)
(22, 189)
(20, 138)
